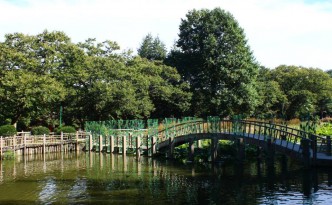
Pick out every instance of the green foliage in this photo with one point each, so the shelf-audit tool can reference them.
(213, 56)
(307, 90)
(270, 94)
(152, 48)
(7, 130)
(90, 80)
(325, 129)
(40, 130)
(66, 129)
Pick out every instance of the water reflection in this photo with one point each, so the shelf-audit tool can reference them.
(87, 178)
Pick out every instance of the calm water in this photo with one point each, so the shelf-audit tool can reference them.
(113, 179)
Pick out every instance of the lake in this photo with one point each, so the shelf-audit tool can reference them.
(93, 178)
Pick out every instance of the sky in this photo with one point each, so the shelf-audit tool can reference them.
(279, 32)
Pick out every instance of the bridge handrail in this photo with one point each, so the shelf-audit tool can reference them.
(283, 133)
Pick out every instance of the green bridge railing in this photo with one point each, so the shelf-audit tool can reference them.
(161, 131)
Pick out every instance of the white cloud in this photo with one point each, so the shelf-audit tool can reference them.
(278, 31)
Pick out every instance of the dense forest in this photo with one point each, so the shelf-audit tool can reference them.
(210, 70)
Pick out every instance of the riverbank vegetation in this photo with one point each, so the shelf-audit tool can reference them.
(211, 70)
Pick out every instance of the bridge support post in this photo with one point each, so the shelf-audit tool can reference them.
(124, 145)
(328, 148)
(214, 149)
(111, 144)
(44, 144)
(198, 144)
(270, 150)
(25, 145)
(170, 147)
(138, 147)
(240, 149)
(90, 143)
(153, 146)
(259, 152)
(191, 150)
(313, 139)
(100, 143)
(1, 148)
(76, 144)
(14, 145)
(61, 142)
(305, 144)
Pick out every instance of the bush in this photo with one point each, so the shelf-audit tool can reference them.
(325, 130)
(326, 119)
(66, 129)
(40, 130)
(7, 130)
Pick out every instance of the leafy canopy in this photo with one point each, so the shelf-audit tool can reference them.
(213, 56)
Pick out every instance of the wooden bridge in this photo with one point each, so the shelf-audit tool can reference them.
(25, 144)
(310, 148)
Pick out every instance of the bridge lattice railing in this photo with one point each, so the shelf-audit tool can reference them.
(277, 133)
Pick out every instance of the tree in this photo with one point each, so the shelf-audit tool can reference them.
(169, 95)
(213, 56)
(308, 90)
(152, 48)
(272, 98)
(25, 94)
(89, 80)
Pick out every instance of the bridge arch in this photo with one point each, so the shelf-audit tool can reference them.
(312, 149)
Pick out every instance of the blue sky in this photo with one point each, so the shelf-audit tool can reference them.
(291, 32)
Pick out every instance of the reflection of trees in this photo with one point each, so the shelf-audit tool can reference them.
(116, 179)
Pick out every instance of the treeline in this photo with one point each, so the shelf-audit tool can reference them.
(210, 71)
(90, 81)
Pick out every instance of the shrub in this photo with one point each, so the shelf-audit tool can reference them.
(324, 129)
(7, 130)
(65, 129)
(294, 121)
(40, 130)
(326, 119)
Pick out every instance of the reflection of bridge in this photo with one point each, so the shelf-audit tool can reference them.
(310, 148)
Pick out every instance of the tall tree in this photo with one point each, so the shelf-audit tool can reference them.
(213, 56)
(308, 90)
(272, 98)
(24, 94)
(152, 48)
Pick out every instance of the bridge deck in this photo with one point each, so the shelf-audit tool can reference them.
(283, 146)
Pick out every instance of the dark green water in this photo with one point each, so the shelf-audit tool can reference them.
(113, 179)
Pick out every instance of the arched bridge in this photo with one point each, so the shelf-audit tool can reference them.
(310, 148)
